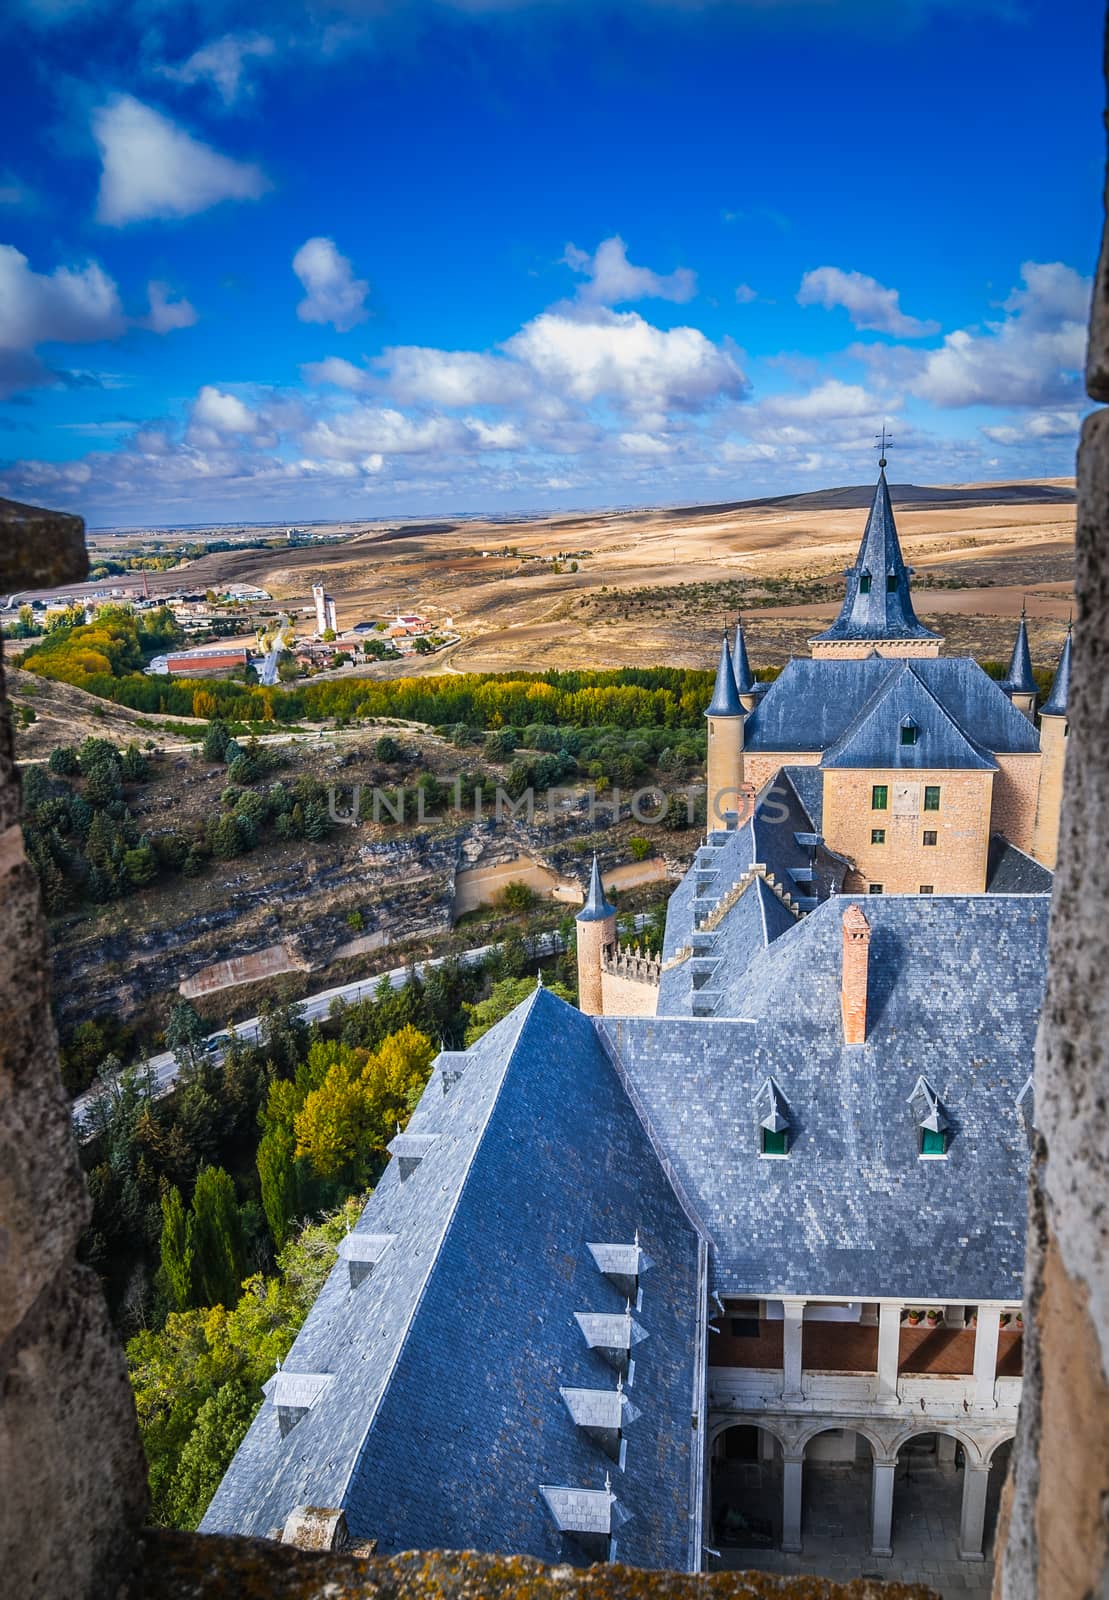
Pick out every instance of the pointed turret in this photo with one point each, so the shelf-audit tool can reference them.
(1056, 703)
(877, 608)
(1019, 682)
(725, 715)
(741, 667)
(596, 907)
(596, 931)
(725, 700)
(1053, 759)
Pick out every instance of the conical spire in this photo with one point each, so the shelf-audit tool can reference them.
(878, 604)
(1020, 679)
(596, 907)
(1056, 703)
(741, 667)
(725, 696)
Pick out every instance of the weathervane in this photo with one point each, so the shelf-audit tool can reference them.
(882, 445)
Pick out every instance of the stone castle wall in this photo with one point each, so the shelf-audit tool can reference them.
(955, 864)
(1015, 791)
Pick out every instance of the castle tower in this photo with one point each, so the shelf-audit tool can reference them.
(877, 611)
(596, 929)
(741, 667)
(1053, 753)
(725, 746)
(1019, 683)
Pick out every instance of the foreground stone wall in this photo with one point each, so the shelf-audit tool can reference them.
(73, 1475)
(1057, 1545)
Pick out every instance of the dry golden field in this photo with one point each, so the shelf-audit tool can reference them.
(652, 586)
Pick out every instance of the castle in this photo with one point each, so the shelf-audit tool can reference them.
(642, 1278)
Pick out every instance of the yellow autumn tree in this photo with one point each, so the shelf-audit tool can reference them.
(204, 703)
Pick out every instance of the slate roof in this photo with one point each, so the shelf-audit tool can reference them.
(1012, 871)
(741, 667)
(811, 704)
(903, 702)
(725, 696)
(1056, 703)
(884, 610)
(444, 1415)
(596, 907)
(1020, 678)
(852, 1211)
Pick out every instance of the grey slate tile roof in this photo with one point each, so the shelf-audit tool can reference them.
(873, 738)
(725, 696)
(885, 609)
(741, 666)
(1056, 703)
(810, 705)
(955, 992)
(1011, 871)
(1020, 678)
(444, 1415)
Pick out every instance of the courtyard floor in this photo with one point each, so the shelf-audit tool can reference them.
(836, 1521)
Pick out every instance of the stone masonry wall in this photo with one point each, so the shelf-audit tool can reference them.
(1015, 793)
(1056, 1546)
(955, 864)
(73, 1475)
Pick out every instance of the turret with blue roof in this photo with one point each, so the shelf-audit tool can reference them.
(878, 604)
(1019, 682)
(725, 700)
(1056, 703)
(746, 685)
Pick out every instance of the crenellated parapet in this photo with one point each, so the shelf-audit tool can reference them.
(629, 961)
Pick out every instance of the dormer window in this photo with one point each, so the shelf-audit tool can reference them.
(932, 1125)
(909, 731)
(891, 583)
(864, 583)
(774, 1121)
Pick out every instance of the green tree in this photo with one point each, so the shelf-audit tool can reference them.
(217, 1237)
(277, 1177)
(219, 1430)
(503, 998)
(63, 761)
(215, 740)
(177, 1250)
(185, 1033)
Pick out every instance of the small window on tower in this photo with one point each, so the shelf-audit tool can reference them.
(909, 732)
(879, 797)
(877, 888)
(864, 583)
(891, 583)
(774, 1144)
(931, 797)
(926, 888)
(929, 836)
(877, 835)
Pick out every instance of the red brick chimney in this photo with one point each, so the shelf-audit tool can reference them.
(856, 959)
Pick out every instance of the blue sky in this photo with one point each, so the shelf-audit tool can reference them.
(373, 257)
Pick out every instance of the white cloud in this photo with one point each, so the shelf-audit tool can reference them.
(418, 375)
(334, 294)
(620, 357)
(70, 305)
(220, 413)
(337, 372)
(1040, 425)
(827, 401)
(867, 302)
(643, 444)
(1032, 357)
(152, 168)
(221, 63)
(372, 429)
(612, 280)
(495, 435)
(167, 315)
(744, 294)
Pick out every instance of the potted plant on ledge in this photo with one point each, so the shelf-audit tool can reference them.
(935, 1318)
(914, 1318)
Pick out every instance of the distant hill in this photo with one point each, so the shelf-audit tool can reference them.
(858, 498)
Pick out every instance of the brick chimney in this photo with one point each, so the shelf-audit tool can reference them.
(856, 959)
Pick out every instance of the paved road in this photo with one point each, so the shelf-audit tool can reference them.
(164, 1067)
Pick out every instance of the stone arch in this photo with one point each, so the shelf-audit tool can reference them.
(879, 1450)
(933, 1425)
(757, 1420)
(988, 1455)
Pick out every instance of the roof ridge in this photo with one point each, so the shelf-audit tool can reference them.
(527, 1007)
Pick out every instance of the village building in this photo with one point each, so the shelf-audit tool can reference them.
(734, 1251)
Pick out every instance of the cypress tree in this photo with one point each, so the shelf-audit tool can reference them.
(217, 1232)
(177, 1249)
(277, 1173)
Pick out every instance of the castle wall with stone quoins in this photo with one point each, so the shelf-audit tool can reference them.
(859, 649)
(1015, 790)
(760, 768)
(955, 864)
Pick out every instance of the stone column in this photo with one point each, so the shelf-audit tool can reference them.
(881, 1507)
(945, 1451)
(972, 1523)
(792, 1468)
(985, 1355)
(889, 1350)
(74, 1493)
(793, 1312)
